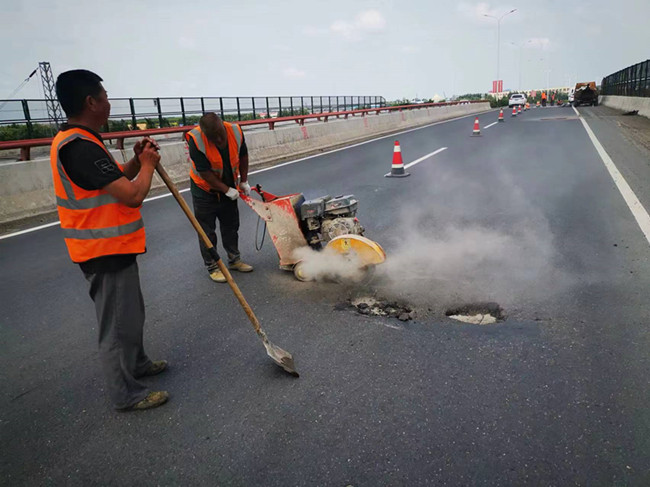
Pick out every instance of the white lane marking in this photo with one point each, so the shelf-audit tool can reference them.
(575, 110)
(418, 161)
(637, 209)
(165, 195)
(15, 163)
(361, 143)
(488, 126)
(47, 225)
(28, 230)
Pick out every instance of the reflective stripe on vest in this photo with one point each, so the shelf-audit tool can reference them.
(94, 223)
(213, 155)
(106, 232)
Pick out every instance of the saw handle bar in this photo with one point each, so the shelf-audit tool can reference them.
(266, 196)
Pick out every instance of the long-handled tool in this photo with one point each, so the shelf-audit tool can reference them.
(279, 356)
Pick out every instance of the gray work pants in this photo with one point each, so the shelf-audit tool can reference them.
(120, 315)
(207, 211)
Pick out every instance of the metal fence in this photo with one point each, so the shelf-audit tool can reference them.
(631, 81)
(129, 113)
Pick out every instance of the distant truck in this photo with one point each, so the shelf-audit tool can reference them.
(585, 94)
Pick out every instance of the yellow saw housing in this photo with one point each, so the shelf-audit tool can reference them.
(368, 252)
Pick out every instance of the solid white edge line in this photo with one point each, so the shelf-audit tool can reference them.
(638, 211)
(47, 225)
(488, 126)
(362, 143)
(28, 230)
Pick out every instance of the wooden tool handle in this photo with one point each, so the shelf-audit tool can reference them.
(233, 285)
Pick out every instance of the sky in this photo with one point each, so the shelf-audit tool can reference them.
(396, 49)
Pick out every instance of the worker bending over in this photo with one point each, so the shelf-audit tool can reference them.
(218, 156)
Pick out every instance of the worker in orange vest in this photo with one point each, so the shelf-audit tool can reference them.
(543, 98)
(219, 158)
(98, 202)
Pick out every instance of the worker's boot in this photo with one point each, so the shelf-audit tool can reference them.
(155, 368)
(153, 400)
(240, 266)
(217, 276)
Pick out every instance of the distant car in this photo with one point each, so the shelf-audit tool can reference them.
(516, 99)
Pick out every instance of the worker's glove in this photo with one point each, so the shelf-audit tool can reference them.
(245, 187)
(232, 193)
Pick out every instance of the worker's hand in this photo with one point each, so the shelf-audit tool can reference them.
(140, 144)
(232, 193)
(149, 155)
(245, 187)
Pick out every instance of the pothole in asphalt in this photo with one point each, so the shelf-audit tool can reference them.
(370, 306)
(477, 313)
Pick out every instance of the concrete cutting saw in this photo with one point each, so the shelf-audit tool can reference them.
(325, 223)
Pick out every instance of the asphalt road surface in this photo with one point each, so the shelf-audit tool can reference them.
(527, 215)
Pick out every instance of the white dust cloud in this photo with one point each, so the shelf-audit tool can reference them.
(328, 264)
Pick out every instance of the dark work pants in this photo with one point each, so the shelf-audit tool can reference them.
(120, 315)
(207, 211)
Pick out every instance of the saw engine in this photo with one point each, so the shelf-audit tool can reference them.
(325, 218)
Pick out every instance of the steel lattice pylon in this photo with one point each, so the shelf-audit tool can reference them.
(53, 108)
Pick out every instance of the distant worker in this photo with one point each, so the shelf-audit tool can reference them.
(543, 98)
(99, 202)
(218, 156)
(553, 99)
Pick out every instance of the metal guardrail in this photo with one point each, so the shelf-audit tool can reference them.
(26, 144)
(631, 81)
(127, 113)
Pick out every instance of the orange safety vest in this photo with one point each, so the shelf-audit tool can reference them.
(212, 153)
(94, 223)
(543, 96)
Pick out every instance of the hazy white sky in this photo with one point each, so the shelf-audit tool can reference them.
(287, 47)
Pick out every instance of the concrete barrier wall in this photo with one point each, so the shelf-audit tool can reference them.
(26, 188)
(627, 103)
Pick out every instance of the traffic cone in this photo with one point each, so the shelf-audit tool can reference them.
(537, 105)
(397, 168)
(501, 116)
(519, 109)
(477, 130)
(525, 108)
(514, 111)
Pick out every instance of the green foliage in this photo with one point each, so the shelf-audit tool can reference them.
(471, 96)
(501, 102)
(21, 131)
(118, 126)
(399, 103)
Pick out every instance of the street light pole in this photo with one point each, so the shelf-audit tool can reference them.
(520, 46)
(499, 19)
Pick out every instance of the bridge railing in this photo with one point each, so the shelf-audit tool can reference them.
(631, 81)
(26, 144)
(161, 112)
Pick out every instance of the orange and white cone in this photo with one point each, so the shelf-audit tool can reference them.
(519, 109)
(501, 119)
(397, 168)
(525, 108)
(477, 129)
(514, 111)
